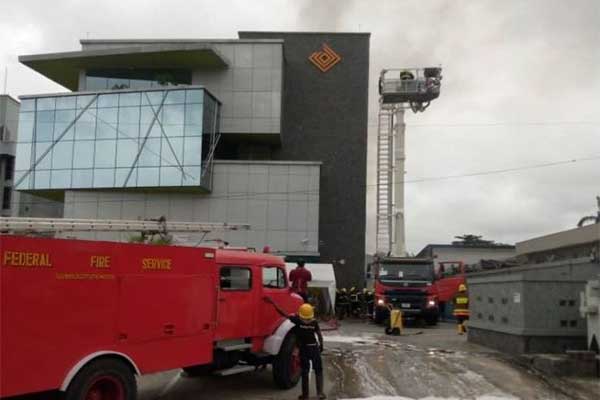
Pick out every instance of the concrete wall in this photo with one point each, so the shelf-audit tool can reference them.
(470, 255)
(9, 120)
(279, 200)
(325, 117)
(537, 302)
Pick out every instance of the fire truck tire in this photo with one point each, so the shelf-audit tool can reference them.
(286, 365)
(105, 378)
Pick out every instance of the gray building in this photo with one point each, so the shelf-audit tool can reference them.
(268, 129)
(9, 118)
(578, 242)
(469, 255)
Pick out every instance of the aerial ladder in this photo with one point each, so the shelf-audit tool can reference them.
(147, 228)
(399, 90)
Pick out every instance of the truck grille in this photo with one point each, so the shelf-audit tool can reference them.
(406, 300)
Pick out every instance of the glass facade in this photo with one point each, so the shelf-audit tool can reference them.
(123, 139)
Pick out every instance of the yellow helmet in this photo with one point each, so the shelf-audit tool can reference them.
(306, 311)
(462, 287)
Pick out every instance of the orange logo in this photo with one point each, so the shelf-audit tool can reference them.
(325, 59)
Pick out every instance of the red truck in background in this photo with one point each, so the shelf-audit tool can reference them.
(85, 317)
(450, 274)
(407, 284)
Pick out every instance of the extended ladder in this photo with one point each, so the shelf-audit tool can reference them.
(161, 225)
(385, 136)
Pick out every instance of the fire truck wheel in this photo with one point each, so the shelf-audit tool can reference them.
(106, 378)
(286, 365)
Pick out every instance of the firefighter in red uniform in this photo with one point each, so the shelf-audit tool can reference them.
(461, 308)
(299, 278)
(310, 342)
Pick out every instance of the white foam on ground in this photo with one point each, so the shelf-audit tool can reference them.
(358, 340)
(484, 397)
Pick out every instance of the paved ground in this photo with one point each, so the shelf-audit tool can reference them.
(362, 362)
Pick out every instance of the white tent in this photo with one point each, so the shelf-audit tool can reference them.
(323, 278)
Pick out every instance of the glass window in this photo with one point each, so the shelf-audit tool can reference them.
(117, 84)
(104, 177)
(46, 161)
(106, 129)
(121, 175)
(27, 105)
(23, 160)
(22, 180)
(44, 128)
(63, 155)
(129, 122)
(42, 180)
(173, 130)
(140, 83)
(108, 100)
(84, 101)
(83, 155)
(129, 99)
(85, 127)
(59, 129)
(193, 114)
(192, 151)
(170, 176)
(82, 178)
(26, 126)
(46, 103)
(61, 179)
(236, 278)
(172, 153)
(153, 97)
(193, 130)
(126, 151)
(173, 114)
(150, 156)
(194, 96)
(147, 114)
(175, 97)
(147, 177)
(191, 175)
(65, 102)
(105, 153)
(65, 115)
(273, 278)
(95, 83)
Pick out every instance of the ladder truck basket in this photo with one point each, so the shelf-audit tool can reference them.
(410, 85)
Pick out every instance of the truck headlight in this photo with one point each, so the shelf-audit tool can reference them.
(380, 302)
(431, 303)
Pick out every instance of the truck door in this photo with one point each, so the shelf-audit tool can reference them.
(274, 285)
(236, 302)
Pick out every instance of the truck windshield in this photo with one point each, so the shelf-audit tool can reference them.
(406, 272)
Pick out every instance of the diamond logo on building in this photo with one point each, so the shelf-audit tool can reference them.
(325, 59)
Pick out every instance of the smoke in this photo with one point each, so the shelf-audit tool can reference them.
(324, 15)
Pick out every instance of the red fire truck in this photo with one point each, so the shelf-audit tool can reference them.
(450, 274)
(407, 284)
(85, 317)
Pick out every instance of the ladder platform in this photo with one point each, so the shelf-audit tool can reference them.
(238, 369)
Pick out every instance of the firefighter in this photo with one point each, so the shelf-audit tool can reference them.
(406, 75)
(299, 278)
(461, 308)
(310, 343)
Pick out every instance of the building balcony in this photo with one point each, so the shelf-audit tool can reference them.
(123, 139)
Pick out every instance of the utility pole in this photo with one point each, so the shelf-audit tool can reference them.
(399, 90)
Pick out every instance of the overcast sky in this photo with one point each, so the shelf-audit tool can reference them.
(521, 87)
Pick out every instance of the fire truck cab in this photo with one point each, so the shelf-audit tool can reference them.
(407, 284)
(85, 317)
